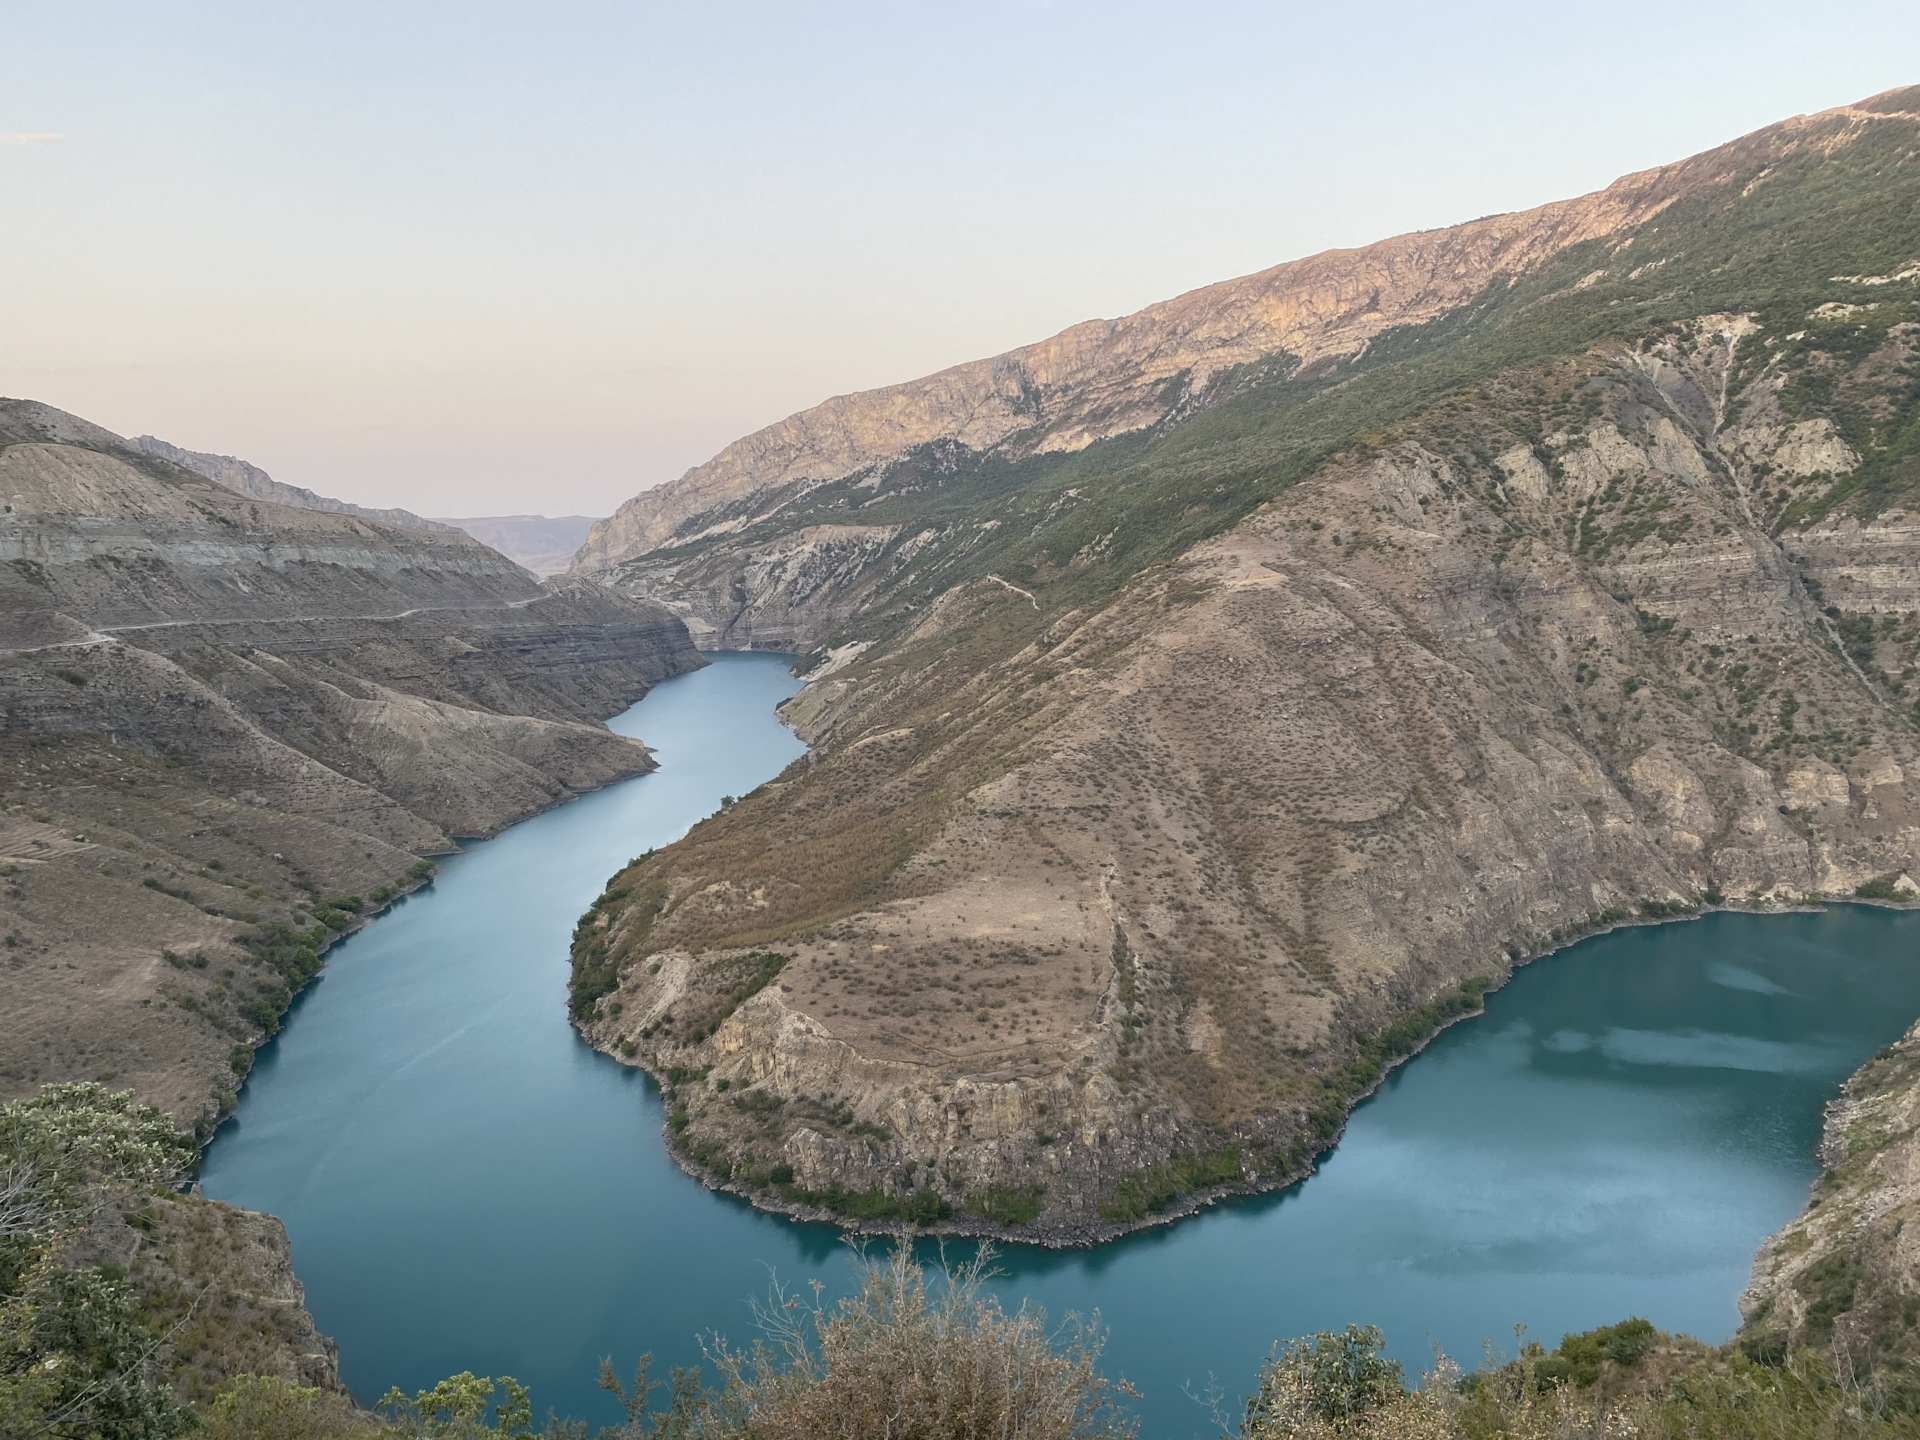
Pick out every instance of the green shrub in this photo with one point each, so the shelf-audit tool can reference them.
(1009, 1204)
(1578, 1360)
(255, 1407)
(77, 1358)
(920, 1207)
(460, 1406)
(1158, 1187)
(1328, 1378)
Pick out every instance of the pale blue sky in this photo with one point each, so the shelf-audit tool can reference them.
(478, 257)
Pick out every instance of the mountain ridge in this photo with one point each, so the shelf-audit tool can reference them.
(1101, 378)
(231, 728)
(245, 478)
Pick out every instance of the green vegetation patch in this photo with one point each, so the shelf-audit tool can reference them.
(596, 969)
(291, 958)
(1578, 1360)
(1159, 1187)
(738, 978)
(919, 1207)
(1009, 1204)
(1829, 1286)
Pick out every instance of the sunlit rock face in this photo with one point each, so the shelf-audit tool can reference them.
(1205, 704)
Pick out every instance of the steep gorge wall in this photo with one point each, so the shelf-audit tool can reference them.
(220, 715)
(1124, 900)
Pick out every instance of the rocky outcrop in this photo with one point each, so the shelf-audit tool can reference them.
(1161, 799)
(218, 1284)
(1843, 1278)
(229, 728)
(785, 593)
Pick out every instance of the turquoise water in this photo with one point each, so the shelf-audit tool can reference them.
(467, 1186)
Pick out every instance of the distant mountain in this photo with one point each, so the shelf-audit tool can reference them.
(544, 544)
(254, 483)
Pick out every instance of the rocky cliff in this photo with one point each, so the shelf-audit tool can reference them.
(1840, 1280)
(1168, 789)
(229, 729)
(218, 1284)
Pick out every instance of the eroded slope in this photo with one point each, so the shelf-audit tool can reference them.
(1165, 792)
(231, 728)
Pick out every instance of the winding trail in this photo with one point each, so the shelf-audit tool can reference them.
(105, 634)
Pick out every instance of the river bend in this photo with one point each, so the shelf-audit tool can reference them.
(468, 1186)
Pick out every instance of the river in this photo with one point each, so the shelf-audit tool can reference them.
(467, 1186)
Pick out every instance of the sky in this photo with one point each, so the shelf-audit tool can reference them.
(480, 258)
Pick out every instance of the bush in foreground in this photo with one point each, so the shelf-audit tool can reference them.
(78, 1361)
(913, 1355)
(909, 1357)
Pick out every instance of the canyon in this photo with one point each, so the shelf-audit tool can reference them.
(544, 544)
(232, 729)
(1206, 706)
(1205, 709)
(235, 719)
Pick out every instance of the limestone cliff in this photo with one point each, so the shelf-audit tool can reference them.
(228, 730)
(1166, 792)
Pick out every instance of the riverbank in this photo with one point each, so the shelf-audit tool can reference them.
(339, 920)
(694, 1079)
(375, 1124)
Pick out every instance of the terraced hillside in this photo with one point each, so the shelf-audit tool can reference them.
(1207, 705)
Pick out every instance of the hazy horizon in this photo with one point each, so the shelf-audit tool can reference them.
(475, 261)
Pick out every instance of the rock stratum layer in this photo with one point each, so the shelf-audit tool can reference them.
(230, 728)
(1186, 753)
